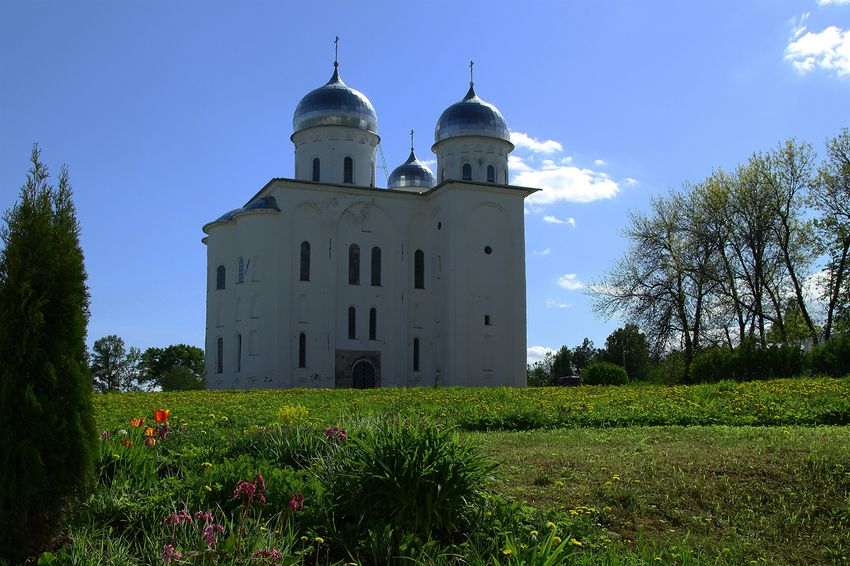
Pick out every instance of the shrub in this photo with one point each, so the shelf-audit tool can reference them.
(605, 373)
(747, 362)
(831, 358)
(47, 428)
(412, 475)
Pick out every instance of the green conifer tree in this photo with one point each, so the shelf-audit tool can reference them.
(47, 433)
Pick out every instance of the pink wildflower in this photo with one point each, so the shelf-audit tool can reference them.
(209, 533)
(105, 435)
(168, 554)
(297, 502)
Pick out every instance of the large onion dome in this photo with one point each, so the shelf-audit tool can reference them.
(471, 117)
(411, 173)
(335, 104)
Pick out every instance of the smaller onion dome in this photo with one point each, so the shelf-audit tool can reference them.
(411, 173)
(471, 117)
(335, 104)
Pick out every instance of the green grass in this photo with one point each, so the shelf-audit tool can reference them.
(612, 468)
(779, 494)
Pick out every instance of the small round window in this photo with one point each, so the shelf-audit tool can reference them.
(488, 250)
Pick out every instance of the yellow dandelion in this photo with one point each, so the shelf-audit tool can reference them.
(207, 465)
(208, 488)
(304, 538)
(608, 509)
(550, 525)
(507, 552)
(488, 514)
(319, 540)
(559, 484)
(116, 456)
(534, 533)
(263, 529)
(224, 418)
(607, 483)
(557, 540)
(575, 542)
(725, 550)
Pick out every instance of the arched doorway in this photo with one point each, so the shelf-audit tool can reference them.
(364, 375)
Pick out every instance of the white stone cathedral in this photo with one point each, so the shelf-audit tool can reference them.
(327, 281)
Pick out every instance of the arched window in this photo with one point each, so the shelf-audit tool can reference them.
(316, 169)
(373, 323)
(352, 323)
(491, 174)
(305, 261)
(376, 266)
(219, 356)
(302, 350)
(241, 270)
(466, 171)
(347, 170)
(416, 354)
(419, 269)
(238, 352)
(219, 277)
(354, 264)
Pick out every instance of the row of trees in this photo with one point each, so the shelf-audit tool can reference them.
(625, 347)
(115, 369)
(756, 255)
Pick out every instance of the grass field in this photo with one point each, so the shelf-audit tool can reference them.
(715, 474)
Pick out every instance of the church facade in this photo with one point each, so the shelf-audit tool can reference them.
(327, 281)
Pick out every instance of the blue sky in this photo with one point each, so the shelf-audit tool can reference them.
(169, 114)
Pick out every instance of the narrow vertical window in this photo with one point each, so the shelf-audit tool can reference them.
(442, 175)
(305, 261)
(372, 172)
(219, 277)
(491, 174)
(354, 264)
(506, 176)
(241, 270)
(238, 352)
(302, 350)
(416, 354)
(347, 170)
(373, 323)
(219, 356)
(419, 269)
(316, 169)
(352, 323)
(466, 171)
(376, 266)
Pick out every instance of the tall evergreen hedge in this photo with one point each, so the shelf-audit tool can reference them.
(47, 433)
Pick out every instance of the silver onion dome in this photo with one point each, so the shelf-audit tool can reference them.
(335, 104)
(471, 117)
(411, 173)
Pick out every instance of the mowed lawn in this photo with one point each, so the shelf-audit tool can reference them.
(738, 472)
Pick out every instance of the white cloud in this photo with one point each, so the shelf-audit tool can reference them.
(429, 162)
(537, 353)
(570, 282)
(825, 2)
(628, 181)
(600, 162)
(556, 303)
(829, 50)
(566, 183)
(547, 251)
(553, 220)
(523, 141)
